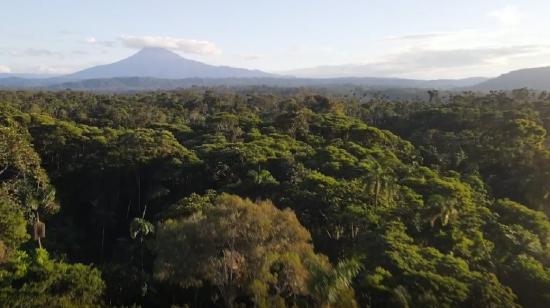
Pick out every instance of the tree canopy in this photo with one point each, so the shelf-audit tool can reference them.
(274, 197)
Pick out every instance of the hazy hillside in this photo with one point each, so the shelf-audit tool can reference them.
(149, 83)
(533, 78)
(26, 76)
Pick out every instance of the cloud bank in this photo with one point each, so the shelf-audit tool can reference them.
(417, 60)
(185, 45)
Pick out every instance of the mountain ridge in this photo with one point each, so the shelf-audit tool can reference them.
(161, 63)
(537, 78)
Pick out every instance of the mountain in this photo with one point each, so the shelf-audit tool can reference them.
(533, 78)
(442, 84)
(364, 73)
(164, 64)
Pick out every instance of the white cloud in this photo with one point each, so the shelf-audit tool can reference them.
(179, 44)
(460, 53)
(460, 39)
(44, 69)
(460, 57)
(94, 41)
(425, 62)
(509, 15)
(5, 69)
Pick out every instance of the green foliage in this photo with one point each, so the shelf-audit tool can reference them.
(21, 174)
(37, 281)
(13, 227)
(140, 228)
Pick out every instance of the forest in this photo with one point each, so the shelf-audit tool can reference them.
(274, 197)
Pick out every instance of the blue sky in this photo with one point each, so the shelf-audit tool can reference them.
(326, 38)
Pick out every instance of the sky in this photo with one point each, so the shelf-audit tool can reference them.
(425, 39)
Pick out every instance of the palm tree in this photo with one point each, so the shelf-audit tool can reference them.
(262, 176)
(446, 209)
(380, 179)
(327, 287)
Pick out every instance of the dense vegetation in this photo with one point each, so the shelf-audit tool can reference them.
(274, 198)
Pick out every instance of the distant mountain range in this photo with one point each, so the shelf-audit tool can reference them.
(26, 76)
(161, 69)
(147, 83)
